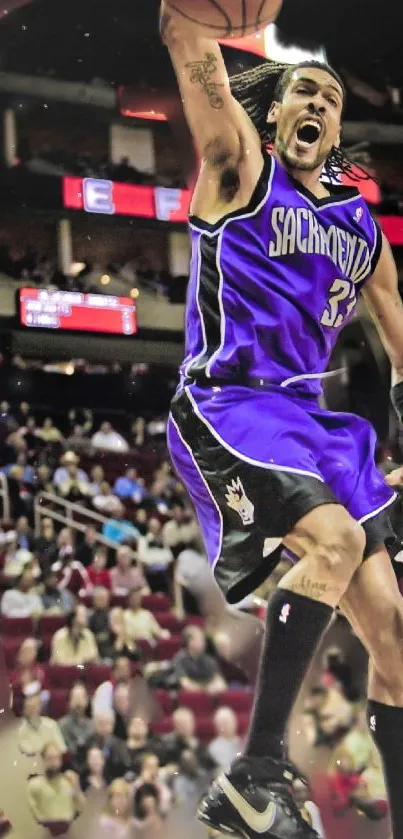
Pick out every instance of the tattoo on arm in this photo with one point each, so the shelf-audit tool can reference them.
(201, 73)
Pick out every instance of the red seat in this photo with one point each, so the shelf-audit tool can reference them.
(119, 600)
(156, 602)
(10, 649)
(199, 701)
(86, 599)
(65, 676)
(58, 704)
(145, 647)
(96, 674)
(195, 620)
(239, 700)
(164, 699)
(49, 624)
(169, 621)
(164, 726)
(243, 723)
(205, 728)
(167, 648)
(17, 627)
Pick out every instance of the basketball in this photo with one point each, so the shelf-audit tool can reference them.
(227, 18)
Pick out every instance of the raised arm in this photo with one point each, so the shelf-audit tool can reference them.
(222, 132)
(381, 295)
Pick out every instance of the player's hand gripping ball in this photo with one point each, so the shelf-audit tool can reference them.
(227, 18)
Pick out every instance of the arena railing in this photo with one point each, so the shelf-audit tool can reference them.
(5, 495)
(45, 502)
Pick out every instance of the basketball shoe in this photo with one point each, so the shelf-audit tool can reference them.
(253, 800)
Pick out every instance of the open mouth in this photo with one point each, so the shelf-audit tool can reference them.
(308, 133)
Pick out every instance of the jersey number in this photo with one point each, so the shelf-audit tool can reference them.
(339, 291)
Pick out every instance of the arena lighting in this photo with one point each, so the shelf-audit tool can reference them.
(134, 293)
(105, 279)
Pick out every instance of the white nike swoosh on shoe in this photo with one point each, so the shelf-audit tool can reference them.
(259, 822)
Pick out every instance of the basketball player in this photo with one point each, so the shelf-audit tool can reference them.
(279, 258)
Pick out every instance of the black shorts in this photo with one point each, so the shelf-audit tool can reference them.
(245, 510)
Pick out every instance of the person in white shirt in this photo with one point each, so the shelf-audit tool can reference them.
(61, 474)
(105, 501)
(103, 696)
(227, 745)
(109, 439)
(151, 550)
(22, 601)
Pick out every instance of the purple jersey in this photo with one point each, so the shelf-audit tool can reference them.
(272, 285)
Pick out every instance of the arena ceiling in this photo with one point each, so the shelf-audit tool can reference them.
(117, 42)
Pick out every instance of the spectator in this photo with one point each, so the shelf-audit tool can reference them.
(107, 439)
(190, 781)
(55, 600)
(55, 798)
(181, 531)
(227, 745)
(138, 433)
(98, 573)
(155, 556)
(74, 488)
(93, 776)
(47, 538)
(118, 642)
(96, 479)
(148, 819)
(116, 817)
(308, 809)
(120, 529)
(22, 601)
(195, 669)
(28, 677)
(85, 551)
(21, 493)
(183, 737)
(130, 486)
(49, 433)
(138, 743)
(36, 731)
(127, 575)
(64, 549)
(99, 620)
(103, 696)
(25, 536)
(43, 481)
(150, 774)
(61, 474)
(112, 748)
(74, 643)
(28, 472)
(141, 623)
(16, 559)
(106, 502)
(76, 727)
(121, 707)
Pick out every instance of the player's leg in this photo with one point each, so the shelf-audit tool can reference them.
(374, 608)
(253, 797)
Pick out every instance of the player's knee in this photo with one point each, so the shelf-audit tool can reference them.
(343, 549)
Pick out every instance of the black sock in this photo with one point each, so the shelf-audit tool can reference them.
(294, 627)
(386, 726)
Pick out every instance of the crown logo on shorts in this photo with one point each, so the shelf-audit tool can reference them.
(238, 500)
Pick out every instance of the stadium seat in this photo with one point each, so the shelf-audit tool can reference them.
(10, 648)
(96, 674)
(199, 701)
(58, 704)
(49, 624)
(205, 728)
(156, 603)
(65, 676)
(164, 699)
(17, 627)
(195, 620)
(167, 648)
(239, 700)
(169, 621)
(146, 648)
(119, 600)
(164, 726)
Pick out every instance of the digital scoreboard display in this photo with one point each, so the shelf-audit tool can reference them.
(73, 310)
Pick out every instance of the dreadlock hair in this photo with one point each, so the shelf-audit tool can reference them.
(257, 88)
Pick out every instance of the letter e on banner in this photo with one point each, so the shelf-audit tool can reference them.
(98, 196)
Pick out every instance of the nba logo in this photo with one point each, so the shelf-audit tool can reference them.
(285, 613)
(358, 214)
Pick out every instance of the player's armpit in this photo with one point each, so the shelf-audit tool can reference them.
(382, 298)
(216, 120)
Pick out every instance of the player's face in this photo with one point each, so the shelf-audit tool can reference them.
(308, 120)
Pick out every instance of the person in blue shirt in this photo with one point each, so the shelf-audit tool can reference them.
(120, 529)
(130, 486)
